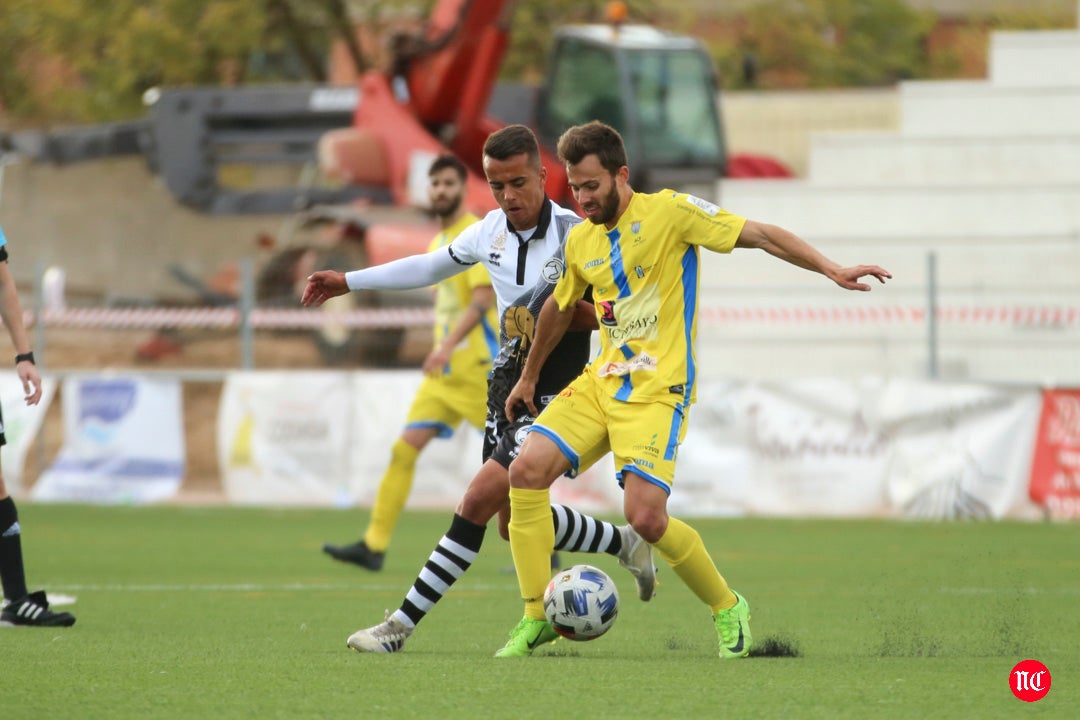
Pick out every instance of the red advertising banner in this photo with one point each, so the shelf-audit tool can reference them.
(1055, 467)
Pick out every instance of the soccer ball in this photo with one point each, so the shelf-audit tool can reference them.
(581, 603)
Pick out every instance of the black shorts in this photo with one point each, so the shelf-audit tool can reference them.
(502, 437)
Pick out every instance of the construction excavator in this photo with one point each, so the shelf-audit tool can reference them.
(439, 94)
(367, 147)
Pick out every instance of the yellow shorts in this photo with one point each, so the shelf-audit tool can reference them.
(643, 437)
(442, 402)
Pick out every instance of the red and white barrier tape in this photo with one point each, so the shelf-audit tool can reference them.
(151, 318)
(1032, 316)
(230, 317)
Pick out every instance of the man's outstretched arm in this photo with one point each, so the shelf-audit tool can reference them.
(406, 273)
(788, 246)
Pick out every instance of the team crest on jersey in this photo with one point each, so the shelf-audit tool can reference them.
(552, 270)
(635, 227)
(522, 432)
(607, 313)
(704, 205)
(499, 243)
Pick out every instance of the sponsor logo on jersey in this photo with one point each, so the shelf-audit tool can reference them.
(644, 361)
(632, 328)
(705, 205)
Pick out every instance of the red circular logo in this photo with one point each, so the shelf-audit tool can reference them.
(1029, 680)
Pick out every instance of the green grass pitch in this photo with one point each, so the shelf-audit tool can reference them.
(235, 613)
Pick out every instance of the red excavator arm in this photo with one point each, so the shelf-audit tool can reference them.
(448, 70)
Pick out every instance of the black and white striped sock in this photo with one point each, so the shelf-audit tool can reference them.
(449, 560)
(577, 532)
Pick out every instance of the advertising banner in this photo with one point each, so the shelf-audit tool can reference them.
(283, 437)
(859, 448)
(1055, 468)
(381, 401)
(863, 447)
(123, 442)
(21, 425)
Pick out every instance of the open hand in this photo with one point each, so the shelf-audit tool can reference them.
(323, 285)
(848, 278)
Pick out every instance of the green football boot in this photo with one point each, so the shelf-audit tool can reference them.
(733, 629)
(526, 636)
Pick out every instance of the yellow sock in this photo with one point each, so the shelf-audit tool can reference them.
(394, 489)
(682, 549)
(532, 538)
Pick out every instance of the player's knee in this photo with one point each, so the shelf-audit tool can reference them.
(525, 473)
(484, 498)
(649, 523)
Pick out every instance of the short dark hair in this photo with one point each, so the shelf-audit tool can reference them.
(593, 138)
(513, 140)
(448, 161)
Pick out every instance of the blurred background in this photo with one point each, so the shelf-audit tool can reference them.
(172, 171)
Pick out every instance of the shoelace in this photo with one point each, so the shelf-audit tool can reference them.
(389, 629)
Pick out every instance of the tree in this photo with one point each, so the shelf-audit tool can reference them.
(822, 43)
(74, 61)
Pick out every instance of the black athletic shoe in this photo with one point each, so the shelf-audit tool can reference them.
(33, 610)
(357, 553)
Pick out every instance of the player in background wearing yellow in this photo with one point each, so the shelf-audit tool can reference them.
(455, 372)
(640, 255)
(22, 607)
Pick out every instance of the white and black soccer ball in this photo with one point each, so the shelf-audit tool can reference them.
(581, 603)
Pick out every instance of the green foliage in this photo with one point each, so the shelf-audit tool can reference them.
(188, 612)
(826, 43)
(82, 61)
(70, 61)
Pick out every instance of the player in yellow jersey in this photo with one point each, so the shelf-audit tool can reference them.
(639, 253)
(455, 372)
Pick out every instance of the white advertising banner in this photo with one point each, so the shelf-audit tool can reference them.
(381, 401)
(283, 437)
(123, 442)
(21, 425)
(324, 438)
(862, 447)
(834, 448)
(959, 449)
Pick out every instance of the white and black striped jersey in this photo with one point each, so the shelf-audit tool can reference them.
(514, 262)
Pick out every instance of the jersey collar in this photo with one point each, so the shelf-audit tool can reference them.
(541, 225)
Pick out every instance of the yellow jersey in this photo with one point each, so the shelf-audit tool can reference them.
(452, 296)
(644, 275)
